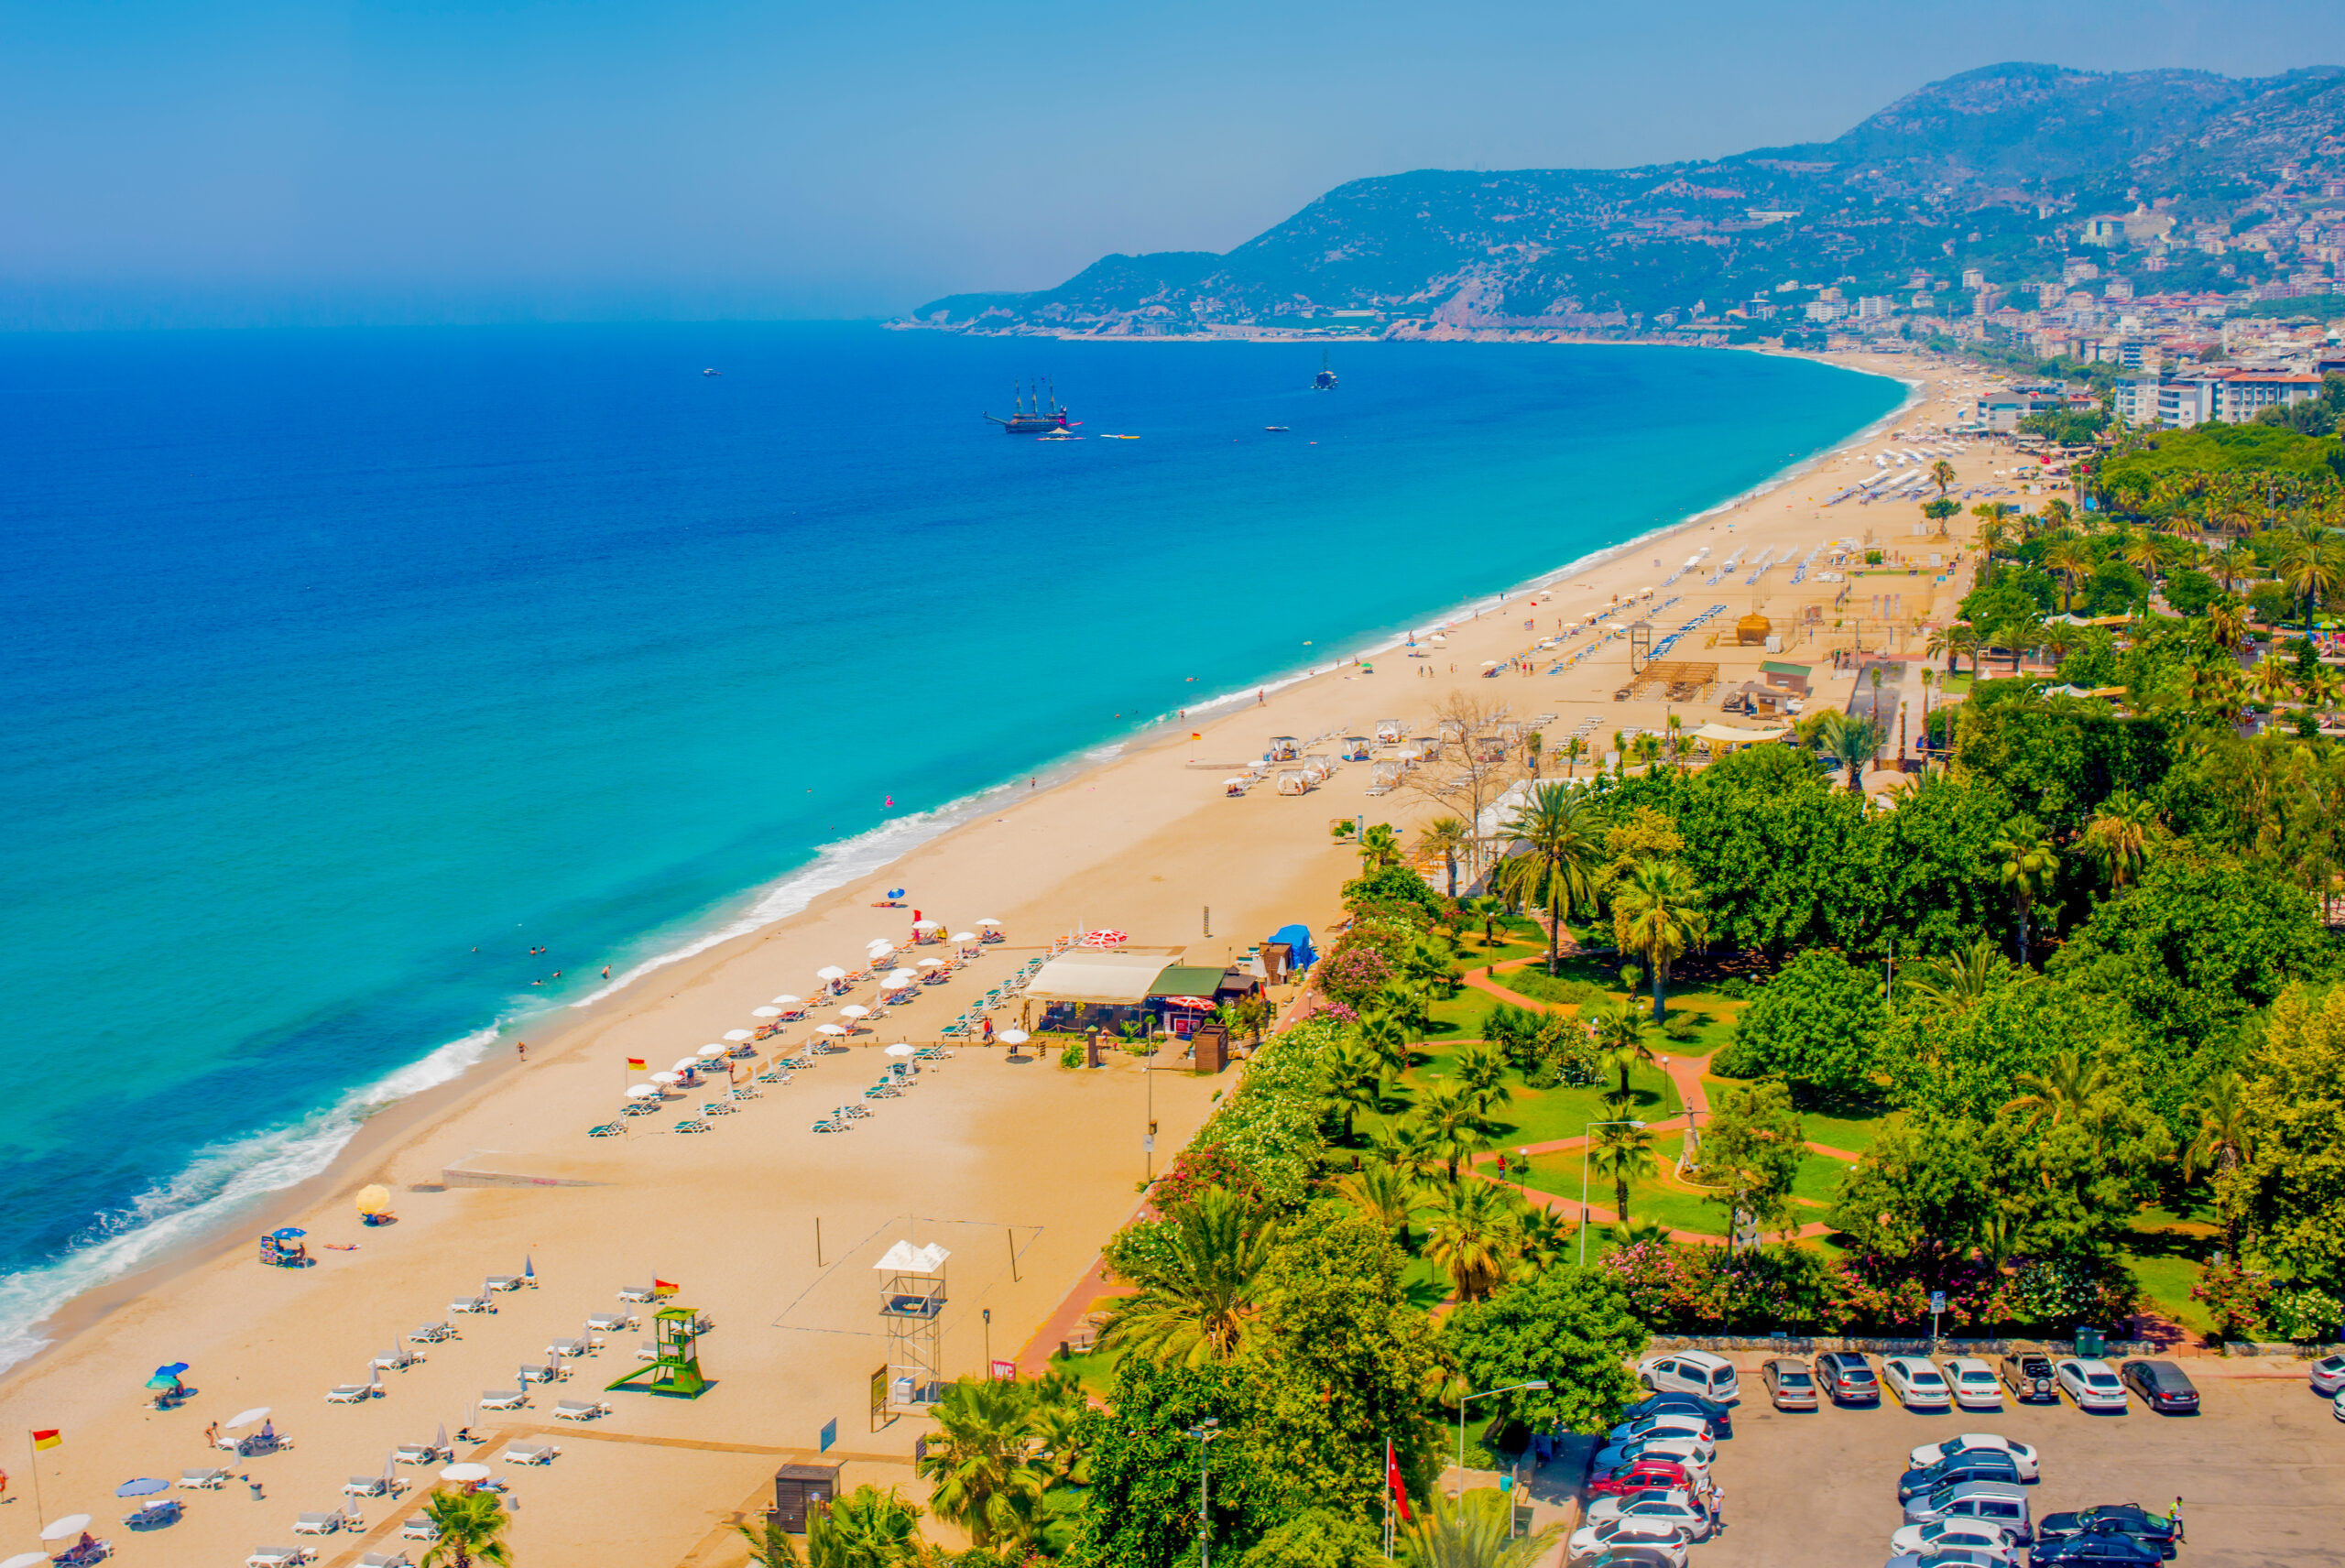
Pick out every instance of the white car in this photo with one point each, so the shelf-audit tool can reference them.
(1691, 1453)
(1677, 1509)
(2023, 1458)
(1689, 1372)
(1916, 1383)
(1662, 1537)
(2091, 1384)
(1955, 1534)
(2336, 1406)
(1693, 1428)
(2329, 1375)
(1976, 1387)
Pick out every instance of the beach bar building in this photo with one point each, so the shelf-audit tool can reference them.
(1098, 987)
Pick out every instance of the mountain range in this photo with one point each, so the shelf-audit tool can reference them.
(1997, 169)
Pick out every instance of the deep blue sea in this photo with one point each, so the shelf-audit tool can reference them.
(341, 669)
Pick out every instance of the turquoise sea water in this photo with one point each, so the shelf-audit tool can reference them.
(341, 670)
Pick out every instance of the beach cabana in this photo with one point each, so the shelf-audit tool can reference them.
(1384, 777)
(1354, 748)
(1294, 781)
(1234, 787)
(1320, 767)
(1282, 748)
(1724, 738)
(1388, 732)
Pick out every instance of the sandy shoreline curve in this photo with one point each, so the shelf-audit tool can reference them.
(1139, 841)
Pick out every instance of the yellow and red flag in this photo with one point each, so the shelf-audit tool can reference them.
(635, 1063)
(665, 1287)
(49, 1439)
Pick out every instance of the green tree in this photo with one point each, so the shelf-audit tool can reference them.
(1142, 1509)
(1379, 846)
(2290, 1187)
(471, 1527)
(1569, 1328)
(1850, 740)
(1471, 1237)
(1383, 1194)
(1923, 1189)
(2030, 860)
(1817, 1023)
(1354, 1073)
(1560, 856)
(1622, 1150)
(1446, 837)
(1623, 1036)
(2122, 836)
(2222, 1138)
(1657, 914)
(1751, 1151)
(1451, 1118)
(980, 1460)
(1475, 1531)
(1318, 1538)
(1197, 1292)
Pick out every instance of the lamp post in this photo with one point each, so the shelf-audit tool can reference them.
(987, 1315)
(1510, 1388)
(1587, 1142)
(1205, 1432)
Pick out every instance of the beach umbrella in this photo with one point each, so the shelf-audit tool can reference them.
(162, 1380)
(965, 936)
(707, 1051)
(830, 972)
(928, 925)
(465, 1474)
(173, 1370)
(258, 1413)
(27, 1560)
(765, 1012)
(146, 1486)
(644, 1092)
(898, 980)
(289, 1232)
(881, 944)
(736, 1034)
(932, 964)
(854, 1010)
(831, 1030)
(786, 1000)
(1013, 1037)
(988, 922)
(71, 1525)
(667, 1079)
(899, 1049)
(374, 1200)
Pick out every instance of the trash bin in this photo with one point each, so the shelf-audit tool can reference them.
(2091, 1345)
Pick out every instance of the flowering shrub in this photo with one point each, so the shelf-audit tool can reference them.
(2057, 1292)
(2304, 1314)
(2234, 1298)
(1337, 1011)
(1356, 972)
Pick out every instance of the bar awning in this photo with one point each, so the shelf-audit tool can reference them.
(1121, 978)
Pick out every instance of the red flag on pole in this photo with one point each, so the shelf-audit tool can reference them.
(1392, 1481)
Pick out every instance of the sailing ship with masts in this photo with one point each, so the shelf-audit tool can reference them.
(1028, 416)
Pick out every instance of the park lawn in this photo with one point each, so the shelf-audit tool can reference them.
(2164, 1251)
(1819, 1179)
(1854, 1134)
(1537, 1115)
(1648, 1197)
(1094, 1369)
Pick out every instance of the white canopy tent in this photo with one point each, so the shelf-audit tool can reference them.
(1118, 977)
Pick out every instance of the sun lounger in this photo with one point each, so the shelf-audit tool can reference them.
(641, 1108)
(432, 1333)
(605, 1129)
(383, 1560)
(530, 1454)
(649, 1350)
(692, 1126)
(351, 1394)
(504, 1281)
(421, 1453)
(317, 1524)
(718, 1108)
(744, 1092)
(372, 1486)
(773, 1076)
(569, 1347)
(827, 1125)
(203, 1479)
(150, 1515)
(504, 1399)
(539, 1374)
(280, 1556)
(395, 1360)
(472, 1305)
(578, 1409)
(418, 1527)
(611, 1323)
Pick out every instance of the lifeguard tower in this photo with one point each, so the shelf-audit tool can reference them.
(911, 1308)
(675, 1363)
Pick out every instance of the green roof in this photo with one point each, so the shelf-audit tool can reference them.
(1777, 666)
(1187, 980)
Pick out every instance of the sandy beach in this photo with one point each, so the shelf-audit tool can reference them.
(1020, 1168)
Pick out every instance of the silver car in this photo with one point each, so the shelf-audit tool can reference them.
(1661, 1536)
(2000, 1503)
(1941, 1535)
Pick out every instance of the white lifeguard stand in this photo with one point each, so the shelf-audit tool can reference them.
(911, 1308)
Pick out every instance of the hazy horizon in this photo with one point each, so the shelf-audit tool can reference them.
(253, 163)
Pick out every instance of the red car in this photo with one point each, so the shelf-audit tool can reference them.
(1644, 1474)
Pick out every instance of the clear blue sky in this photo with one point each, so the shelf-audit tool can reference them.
(240, 161)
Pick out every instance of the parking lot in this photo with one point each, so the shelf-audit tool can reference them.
(2260, 1471)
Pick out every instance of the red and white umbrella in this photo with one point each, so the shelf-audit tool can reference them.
(1102, 939)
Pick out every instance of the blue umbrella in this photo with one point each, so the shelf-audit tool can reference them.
(895, 892)
(141, 1488)
(173, 1370)
(289, 1232)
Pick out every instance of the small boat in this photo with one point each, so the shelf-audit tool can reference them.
(1277, 426)
(711, 373)
(1058, 435)
(1325, 380)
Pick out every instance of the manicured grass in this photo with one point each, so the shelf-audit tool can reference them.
(1819, 1178)
(1540, 1115)
(2167, 1281)
(1854, 1134)
(1650, 1198)
(1096, 1370)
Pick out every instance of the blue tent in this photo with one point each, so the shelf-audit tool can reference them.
(1298, 942)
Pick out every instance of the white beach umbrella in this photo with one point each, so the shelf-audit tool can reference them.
(465, 1474)
(60, 1530)
(830, 972)
(667, 1079)
(899, 1049)
(932, 964)
(988, 922)
(854, 1010)
(1013, 1037)
(765, 1012)
(928, 925)
(898, 980)
(965, 936)
(831, 1030)
(787, 1000)
(879, 946)
(709, 1052)
(644, 1092)
(27, 1560)
(258, 1413)
(685, 1063)
(736, 1035)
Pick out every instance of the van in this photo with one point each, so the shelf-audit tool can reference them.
(1689, 1372)
(2002, 1503)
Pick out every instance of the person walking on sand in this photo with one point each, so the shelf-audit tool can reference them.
(2174, 1518)
(522, 1048)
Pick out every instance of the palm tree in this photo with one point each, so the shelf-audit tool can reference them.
(980, 1460)
(2312, 563)
(1445, 836)
(2066, 1092)
(1481, 1067)
(2273, 679)
(1540, 1236)
(2029, 862)
(1450, 1115)
(2227, 625)
(1405, 1148)
(1486, 913)
(1657, 914)
(2223, 1142)
(472, 1529)
(1850, 741)
(1622, 1150)
(2214, 688)
(1955, 983)
(2121, 835)
(1379, 846)
(1942, 476)
(2144, 551)
(1623, 1035)
(1384, 1031)
(1384, 1194)
(866, 1528)
(2067, 558)
(1473, 1531)
(1471, 1236)
(1196, 1296)
(1647, 747)
(1564, 848)
(1574, 749)
(2320, 688)
(769, 1544)
(1354, 1072)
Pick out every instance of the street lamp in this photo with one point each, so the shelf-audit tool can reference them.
(987, 1315)
(1205, 1432)
(1586, 1142)
(1510, 1388)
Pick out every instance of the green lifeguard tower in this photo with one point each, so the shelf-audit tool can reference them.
(675, 1364)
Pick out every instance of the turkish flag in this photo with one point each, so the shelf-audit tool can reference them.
(1392, 1480)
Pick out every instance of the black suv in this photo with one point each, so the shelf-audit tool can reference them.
(1846, 1379)
(2163, 1386)
(2028, 1375)
(2129, 1520)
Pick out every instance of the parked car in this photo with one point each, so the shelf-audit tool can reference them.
(2121, 1518)
(2091, 1384)
(1951, 1557)
(1719, 1415)
(1661, 1535)
(1789, 1383)
(1632, 1557)
(1647, 1475)
(1677, 1507)
(1846, 1379)
(1678, 1450)
(2000, 1503)
(2097, 1546)
(2022, 1455)
(2163, 1386)
(2028, 1375)
(2329, 1375)
(1662, 1426)
(1974, 1384)
(1689, 1372)
(1972, 1535)
(1916, 1383)
(2336, 1406)
(1970, 1464)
